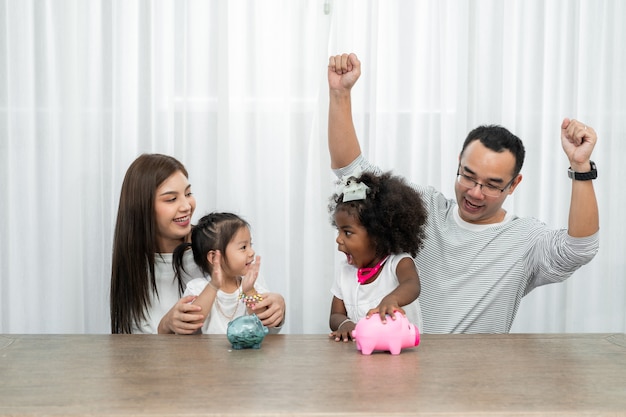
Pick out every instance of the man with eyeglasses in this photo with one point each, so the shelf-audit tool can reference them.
(479, 260)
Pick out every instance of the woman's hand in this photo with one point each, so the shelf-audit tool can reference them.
(183, 318)
(271, 309)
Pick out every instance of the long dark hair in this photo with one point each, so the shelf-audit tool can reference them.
(135, 240)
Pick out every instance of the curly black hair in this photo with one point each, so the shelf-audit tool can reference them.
(393, 213)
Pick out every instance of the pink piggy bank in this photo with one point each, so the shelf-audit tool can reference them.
(371, 334)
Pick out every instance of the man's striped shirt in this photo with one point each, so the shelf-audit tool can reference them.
(473, 277)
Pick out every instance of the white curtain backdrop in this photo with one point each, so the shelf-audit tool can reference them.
(236, 90)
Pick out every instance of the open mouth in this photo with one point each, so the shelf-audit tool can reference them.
(470, 206)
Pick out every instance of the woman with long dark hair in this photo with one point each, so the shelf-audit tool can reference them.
(154, 217)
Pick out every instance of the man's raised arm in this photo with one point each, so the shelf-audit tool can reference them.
(578, 141)
(343, 72)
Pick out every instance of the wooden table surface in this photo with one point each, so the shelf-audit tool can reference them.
(124, 375)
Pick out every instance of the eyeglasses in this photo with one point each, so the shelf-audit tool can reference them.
(488, 190)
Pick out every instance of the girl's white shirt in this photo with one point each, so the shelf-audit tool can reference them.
(225, 308)
(359, 299)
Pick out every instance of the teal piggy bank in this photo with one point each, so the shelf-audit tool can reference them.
(246, 332)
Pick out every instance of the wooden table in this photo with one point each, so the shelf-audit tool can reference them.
(123, 375)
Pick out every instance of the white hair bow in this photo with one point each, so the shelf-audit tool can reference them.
(352, 189)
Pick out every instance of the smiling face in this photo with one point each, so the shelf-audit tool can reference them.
(239, 254)
(485, 167)
(174, 205)
(354, 241)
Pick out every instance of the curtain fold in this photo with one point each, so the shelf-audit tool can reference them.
(237, 91)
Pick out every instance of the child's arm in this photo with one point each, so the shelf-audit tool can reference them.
(339, 322)
(269, 307)
(248, 292)
(207, 297)
(405, 293)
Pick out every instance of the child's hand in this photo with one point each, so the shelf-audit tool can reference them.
(344, 332)
(248, 281)
(217, 275)
(384, 309)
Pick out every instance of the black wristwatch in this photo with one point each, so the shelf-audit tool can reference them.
(584, 176)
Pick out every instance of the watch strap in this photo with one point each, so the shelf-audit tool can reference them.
(584, 176)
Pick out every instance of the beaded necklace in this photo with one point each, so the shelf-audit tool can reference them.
(219, 307)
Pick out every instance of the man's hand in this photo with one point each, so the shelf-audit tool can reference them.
(578, 141)
(343, 71)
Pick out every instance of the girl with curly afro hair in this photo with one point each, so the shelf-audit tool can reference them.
(380, 227)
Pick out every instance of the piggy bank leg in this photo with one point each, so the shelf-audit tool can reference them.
(367, 349)
(395, 348)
